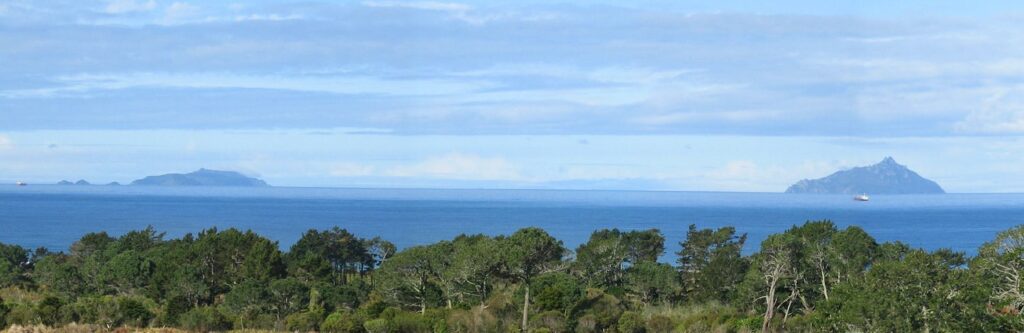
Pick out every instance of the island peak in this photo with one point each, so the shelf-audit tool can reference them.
(884, 177)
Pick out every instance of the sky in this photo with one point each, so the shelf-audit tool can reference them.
(642, 95)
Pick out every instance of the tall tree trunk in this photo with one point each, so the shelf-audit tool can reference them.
(769, 312)
(526, 307)
(824, 287)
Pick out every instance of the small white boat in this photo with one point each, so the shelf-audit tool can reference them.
(861, 197)
(20, 183)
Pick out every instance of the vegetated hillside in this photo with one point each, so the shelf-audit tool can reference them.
(811, 278)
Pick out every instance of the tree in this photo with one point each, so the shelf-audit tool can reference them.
(474, 262)
(600, 261)
(652, 282)
(343, 252)
(1000, 264)
(527, 253)
(643, 245)
(405, 278)
(246, 301)
(286, 296)
(128, 272)
(14, 261)
(603, 260)
(557, 291)
(917, 292)
(711, 263)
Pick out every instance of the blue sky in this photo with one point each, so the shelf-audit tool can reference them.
(680, 95)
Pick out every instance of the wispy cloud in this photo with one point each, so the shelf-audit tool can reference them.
(459, 166)
(5, 142)
(129, 6)
(79, 84)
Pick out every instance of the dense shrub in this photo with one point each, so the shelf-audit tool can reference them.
(631, 322)
(659, 324)
(379, 325)
(133, 313)
(204, 319)
(4, 309)
(342, 322)
(304, 321)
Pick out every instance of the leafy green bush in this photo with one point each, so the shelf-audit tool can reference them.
(342, 322)
(22, 314)
(4, 309)
(631, 322)
(48, 311)
(659, 324)
(379, 325)
(133, 313)
(204, 319)
(304, 321)
(552, 320)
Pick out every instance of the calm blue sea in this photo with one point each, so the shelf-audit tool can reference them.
(55, 216)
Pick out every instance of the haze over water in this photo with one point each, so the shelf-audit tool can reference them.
(56, 216)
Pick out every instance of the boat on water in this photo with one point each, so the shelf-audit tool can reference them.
(20, 183)
(861, 197)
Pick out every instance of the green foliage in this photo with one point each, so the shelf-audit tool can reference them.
(557, 291)
(204, 319)
(659, 324)
(342, 322)
(711, 264)
(379, 325)
(304, 321)
(812, 277)
(603, 259)
(631, 322)
(4, 309)
(652, 283)
(14, 261)
(133, 312)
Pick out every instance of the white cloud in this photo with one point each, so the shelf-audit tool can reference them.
(422, 5)
(1002, 112)
(341, 84)
(691, 116)
(267, 17)
(461, 167)
(129, 6)
(462, 12)
(5, 143)
(180, 12)
(348, 169)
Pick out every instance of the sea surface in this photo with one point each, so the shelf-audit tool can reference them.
(54, 216)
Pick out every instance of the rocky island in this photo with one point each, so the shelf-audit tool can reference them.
(201, 177)
(885, 177)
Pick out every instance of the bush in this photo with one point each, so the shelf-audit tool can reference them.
(305, 321)
(22, 314)
(549, 320)
(133, 312)
(342, 322)
(48, 311)
(379, 325)
(631, 322)
(659, 324)
(204, 319)
(4, 309)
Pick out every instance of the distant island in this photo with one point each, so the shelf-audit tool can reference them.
(885, 177)
(201, 177)
(79, 182)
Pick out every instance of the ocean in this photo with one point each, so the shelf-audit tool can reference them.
(54, 216)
